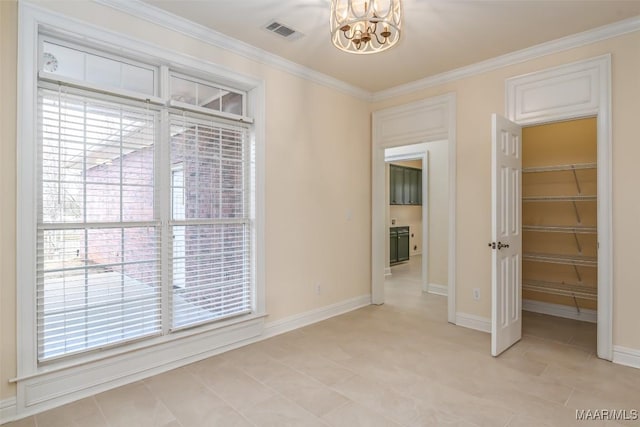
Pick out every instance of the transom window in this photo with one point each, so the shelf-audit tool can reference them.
(144, 203)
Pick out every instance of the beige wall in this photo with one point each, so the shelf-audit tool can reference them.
(479, 96)
(315, 137)
(8, 50)
(311, 181)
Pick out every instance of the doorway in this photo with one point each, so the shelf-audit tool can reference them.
(406, 276)
(559, 231)
(427, 120)
(575, 91)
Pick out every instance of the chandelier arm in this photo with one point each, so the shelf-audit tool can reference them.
(378, 39)
(344, 32)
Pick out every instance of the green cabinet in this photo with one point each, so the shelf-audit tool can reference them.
(398, 244)
(405, 185)
(396, 185)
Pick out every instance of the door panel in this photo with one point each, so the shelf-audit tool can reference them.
(397, 182)
(506, 319)
(403, 244)
(393, 245)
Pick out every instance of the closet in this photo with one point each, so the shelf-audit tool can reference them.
(559, 214)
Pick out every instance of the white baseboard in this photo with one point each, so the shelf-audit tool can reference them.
(7, 410)
(313, 316)
(472, 321)
(626, 356)
(387, 271)
(559, 310)
(437, 289)
(47, 391)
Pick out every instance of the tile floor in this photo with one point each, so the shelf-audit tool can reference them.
(396, 364)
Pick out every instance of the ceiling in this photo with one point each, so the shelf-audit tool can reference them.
(438, 35)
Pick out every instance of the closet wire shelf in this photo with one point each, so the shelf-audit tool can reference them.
(578, 198)
(558, 168)
(562, 289)
(561, 229)
(572, 290)
(583, 261)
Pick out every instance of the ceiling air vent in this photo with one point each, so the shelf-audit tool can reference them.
(283, 30)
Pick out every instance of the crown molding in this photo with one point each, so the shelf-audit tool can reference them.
(554, 46)
(200, 32)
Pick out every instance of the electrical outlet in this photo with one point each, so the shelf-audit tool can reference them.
(476, 294)
(318, 288)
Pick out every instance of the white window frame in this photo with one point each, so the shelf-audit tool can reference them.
(43, 387)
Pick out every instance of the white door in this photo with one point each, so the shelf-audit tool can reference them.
(506, 286)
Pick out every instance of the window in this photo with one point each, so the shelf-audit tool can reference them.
(144, 222)
(212, 221)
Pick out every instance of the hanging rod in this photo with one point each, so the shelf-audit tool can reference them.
(559, 198)
(563, 289)
(583, 261)
(557, 168)
(561, 229)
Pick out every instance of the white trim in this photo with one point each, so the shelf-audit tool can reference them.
(300, 320)
(53, 389)
(39, 388)
(436, 289)
(431, 119)
(387, 271)
(587, 85)
(8, 410)
(471, 321)
(560, 310)
(175, 23)
(554, 46)
(626, 356)
(204, 34)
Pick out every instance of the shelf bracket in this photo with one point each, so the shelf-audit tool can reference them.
(575, 268)
(575, 176)
(575, 301)
(575, 208)
(575, 236)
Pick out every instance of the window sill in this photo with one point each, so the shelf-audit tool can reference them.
(58, 384)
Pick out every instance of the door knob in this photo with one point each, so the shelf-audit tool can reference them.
(501, 245)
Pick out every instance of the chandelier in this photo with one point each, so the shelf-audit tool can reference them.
(363, 27)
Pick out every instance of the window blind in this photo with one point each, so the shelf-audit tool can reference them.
(210, 222)
(98, 266)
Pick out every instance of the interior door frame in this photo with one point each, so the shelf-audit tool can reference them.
(573, 91)
(417, 152)
(429, 120)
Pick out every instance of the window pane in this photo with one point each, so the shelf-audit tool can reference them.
(210, 262)
(97, 160)
(214, 161)
(99, 280)
(213, 265)
(232, 103)
(206, 96)
(92, 293)
(101, 70)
